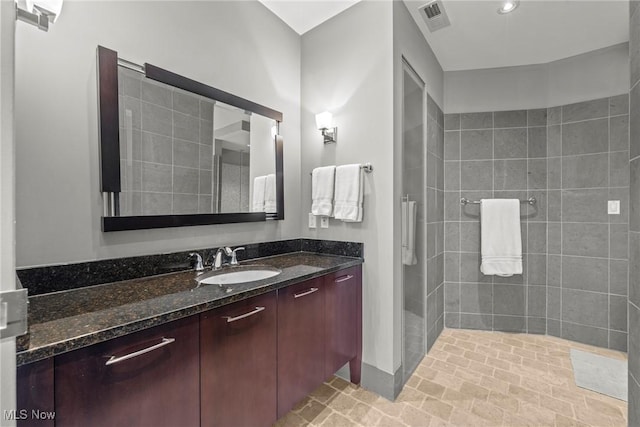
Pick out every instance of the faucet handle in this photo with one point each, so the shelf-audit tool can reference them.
(217, 261)
(234, 258)
(198, 266)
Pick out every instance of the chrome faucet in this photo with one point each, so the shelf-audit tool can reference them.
(234, 258)
(198, 266)
(217, 262)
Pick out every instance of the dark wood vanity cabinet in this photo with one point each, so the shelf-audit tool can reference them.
(243, 364)
(301, 341)
(238, 363)
(148, 378)
(343, 302)
(35, 405)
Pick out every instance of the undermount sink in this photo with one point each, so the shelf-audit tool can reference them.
(234, 275)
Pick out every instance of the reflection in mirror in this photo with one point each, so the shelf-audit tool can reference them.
(182, 153)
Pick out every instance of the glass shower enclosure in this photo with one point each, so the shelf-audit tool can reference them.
(413, 220)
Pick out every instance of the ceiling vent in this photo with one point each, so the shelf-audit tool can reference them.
(434, 15)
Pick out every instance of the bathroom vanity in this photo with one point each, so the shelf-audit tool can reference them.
(198, 356)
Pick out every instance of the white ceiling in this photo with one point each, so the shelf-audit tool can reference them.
(539, 31)
(303, 15)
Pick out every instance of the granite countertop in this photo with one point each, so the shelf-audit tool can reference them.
(63, 321)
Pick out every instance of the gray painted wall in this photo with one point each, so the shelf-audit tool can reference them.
(566, 81)
(573, 159)
(634, 215)
(239, 47)
(7, 200)
(347, 69)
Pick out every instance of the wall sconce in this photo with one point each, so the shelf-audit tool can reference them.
(38, 12)
(324, 123)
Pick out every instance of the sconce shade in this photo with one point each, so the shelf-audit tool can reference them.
(38, 12)
(324, 120)
(52, 8)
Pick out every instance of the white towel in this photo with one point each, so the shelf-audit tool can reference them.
(322, 185)
(501, 243)
(257, 203)
(270, 194)
(349, 193)
(409, 233)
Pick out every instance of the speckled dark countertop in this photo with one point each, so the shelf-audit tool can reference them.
(63, 321)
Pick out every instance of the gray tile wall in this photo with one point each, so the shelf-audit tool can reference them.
(166, 148)
(587, 258)
(634, 215)
(435, 221)
(572, 159)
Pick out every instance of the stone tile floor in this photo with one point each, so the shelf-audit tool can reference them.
(473, 378)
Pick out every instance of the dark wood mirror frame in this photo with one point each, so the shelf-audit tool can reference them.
(110, 149)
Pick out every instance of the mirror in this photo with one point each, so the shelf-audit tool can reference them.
(183, 153)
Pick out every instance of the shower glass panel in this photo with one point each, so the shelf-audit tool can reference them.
(413, 242)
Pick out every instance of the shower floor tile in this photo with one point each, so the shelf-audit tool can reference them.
(474, 378)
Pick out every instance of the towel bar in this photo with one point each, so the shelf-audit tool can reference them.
(367, 167)
(464, 201)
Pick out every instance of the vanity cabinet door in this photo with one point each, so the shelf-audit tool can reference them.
(301, 333)
(238, 363)
(35, 395)
(148, 378)
(344, 320)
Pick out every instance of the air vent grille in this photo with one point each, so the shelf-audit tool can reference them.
(432, 10)
(434, 15)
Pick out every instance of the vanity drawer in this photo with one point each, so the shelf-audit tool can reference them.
(146, 378)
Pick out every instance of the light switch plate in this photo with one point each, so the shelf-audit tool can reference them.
(324, 222)
(613, 207)
(312, 220)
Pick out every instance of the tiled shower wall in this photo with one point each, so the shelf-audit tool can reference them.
(587, 247)
(166, 148)
(634, 216)
(572, 159)
(487, 155)
(435, 221)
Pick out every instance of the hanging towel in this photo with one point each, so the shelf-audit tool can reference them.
(501, 243)
(257, 203)
(409, 233)
(270, 194)
(322, 185)
(349, 193)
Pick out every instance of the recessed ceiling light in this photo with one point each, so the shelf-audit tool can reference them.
(508, 6)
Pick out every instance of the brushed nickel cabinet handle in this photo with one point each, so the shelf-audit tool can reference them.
(113, 359)
(344, 278)
(242, 316)
(309, 292)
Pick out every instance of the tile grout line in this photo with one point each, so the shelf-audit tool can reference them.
(459, 207)
(560, 279)
(609, 230)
